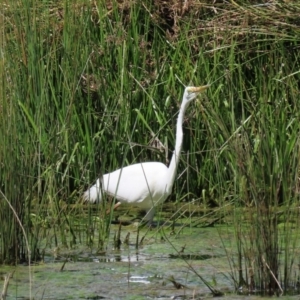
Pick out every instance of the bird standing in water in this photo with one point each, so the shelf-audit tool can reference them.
(145, 184)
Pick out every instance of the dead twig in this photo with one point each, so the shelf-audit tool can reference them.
(5, 285)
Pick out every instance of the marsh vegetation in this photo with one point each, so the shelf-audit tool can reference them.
(90, 86)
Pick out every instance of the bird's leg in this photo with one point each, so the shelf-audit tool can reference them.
(148, 219)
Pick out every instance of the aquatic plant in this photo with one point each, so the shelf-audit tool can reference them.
(72, 72)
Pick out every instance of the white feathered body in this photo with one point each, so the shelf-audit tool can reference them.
(143, 185)
(146, 184)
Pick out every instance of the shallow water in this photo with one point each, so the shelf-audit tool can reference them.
(151, 272)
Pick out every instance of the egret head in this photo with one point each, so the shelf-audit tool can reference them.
(191, 92)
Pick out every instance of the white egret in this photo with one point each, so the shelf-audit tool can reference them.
(145, 184)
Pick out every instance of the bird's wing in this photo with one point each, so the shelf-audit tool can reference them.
(135, 183)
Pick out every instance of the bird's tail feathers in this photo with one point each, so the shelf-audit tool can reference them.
(93, 194)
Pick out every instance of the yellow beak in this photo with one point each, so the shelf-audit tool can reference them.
(198, 89)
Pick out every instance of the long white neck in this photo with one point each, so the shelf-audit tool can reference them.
(176, 155)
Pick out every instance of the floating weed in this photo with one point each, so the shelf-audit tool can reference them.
(89, 87)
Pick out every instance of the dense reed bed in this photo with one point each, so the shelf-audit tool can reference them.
(90, 86)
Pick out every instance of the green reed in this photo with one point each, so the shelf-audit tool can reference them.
(85, 93)
(91, 87)
(252, 129)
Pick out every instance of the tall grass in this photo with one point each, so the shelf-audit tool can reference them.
(85, 93)
(255, 127)
(92, 86)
